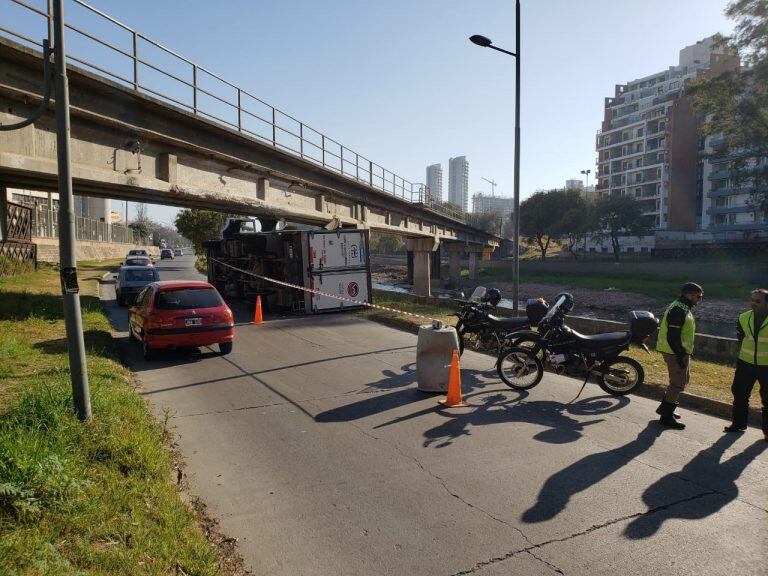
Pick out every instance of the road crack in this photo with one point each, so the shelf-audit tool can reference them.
(593, 528)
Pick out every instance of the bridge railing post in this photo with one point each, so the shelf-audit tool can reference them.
(194, 93)
(322, 141)
(301, 139)
(135, 61)
(239, 109)
(274, 128)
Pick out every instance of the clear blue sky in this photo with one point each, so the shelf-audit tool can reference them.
(398, 81)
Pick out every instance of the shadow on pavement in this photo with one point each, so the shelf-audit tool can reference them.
(501, 408)
(721, 486)
(579, 476)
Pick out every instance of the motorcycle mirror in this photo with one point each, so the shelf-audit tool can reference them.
(463, 295)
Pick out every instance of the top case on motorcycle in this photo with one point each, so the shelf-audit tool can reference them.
(508, 323)
(597, 341)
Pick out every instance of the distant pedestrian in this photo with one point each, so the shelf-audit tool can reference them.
(752, 365)
(675, 343)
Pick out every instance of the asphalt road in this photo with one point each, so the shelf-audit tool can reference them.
(312, 446)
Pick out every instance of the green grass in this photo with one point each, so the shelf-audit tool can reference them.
(708, 379)
(660, 279)
(82, 498)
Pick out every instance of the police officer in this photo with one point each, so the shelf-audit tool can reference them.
(752, 331)
(675, 342)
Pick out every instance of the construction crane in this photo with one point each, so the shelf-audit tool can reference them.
(493, 185)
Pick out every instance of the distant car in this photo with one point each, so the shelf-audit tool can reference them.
(138, 261)
(175, 314)
(130, 281)
(138, 252)
(166, 253)
(178, 252)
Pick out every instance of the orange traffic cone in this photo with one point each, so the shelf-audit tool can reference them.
(454, 400)
(257, 319)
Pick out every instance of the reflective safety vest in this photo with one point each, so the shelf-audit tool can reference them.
(687, 331)
(754, 347)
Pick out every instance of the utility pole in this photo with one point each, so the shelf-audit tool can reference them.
(67, 249)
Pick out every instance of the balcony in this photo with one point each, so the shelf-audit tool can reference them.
(712, 210)
(720, 175)
(730, 191)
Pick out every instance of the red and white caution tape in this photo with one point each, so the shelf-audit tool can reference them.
(321, 293)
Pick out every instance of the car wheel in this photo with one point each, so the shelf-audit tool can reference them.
(149, 353)
(225, 348)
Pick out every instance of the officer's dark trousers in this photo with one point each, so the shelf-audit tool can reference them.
(743, 382)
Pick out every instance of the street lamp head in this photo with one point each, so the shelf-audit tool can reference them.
(480, 40)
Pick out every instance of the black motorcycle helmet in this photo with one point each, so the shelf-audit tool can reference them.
(492, 296)
(568, 304)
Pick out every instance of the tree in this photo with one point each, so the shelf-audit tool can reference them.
(386, 243)
(540, 217)
(575, 222)
(491, 221)
(199, 226)
(617, 216)
(734, 103)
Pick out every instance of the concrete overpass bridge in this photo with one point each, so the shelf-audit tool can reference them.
(193, 146)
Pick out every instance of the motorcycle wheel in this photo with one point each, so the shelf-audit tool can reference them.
(519, 368)
(621, 375)
(460, 334)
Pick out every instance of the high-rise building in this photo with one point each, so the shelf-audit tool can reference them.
(650, 147)
(489, 203)
(435, 181)
(574, 184)
(458, 182)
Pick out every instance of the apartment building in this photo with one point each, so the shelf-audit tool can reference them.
(458, 182)
(490, 203)
(650, 148)
(435, 182)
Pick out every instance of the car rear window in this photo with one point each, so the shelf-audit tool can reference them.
(183, 298)
(139, 275)
(137, 262)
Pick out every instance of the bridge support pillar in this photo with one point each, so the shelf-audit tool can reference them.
(422, 249)
(455, 253)
(475, 255)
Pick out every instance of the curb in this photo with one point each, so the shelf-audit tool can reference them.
(689, 401)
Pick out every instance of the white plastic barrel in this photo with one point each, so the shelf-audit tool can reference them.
(434, 352)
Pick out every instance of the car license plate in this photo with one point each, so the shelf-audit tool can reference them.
(193, 321)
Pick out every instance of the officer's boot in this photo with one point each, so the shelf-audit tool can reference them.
(674, 414)
(765, 423)
(667, 419)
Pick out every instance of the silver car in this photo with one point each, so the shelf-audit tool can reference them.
(130, 281)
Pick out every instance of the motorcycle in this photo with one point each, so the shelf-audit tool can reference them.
(478, 328)
(565, 351)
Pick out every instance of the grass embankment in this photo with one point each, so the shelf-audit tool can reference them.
(657, 278)
(708, 379)
(82, 498)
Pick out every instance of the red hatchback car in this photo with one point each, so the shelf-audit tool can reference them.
(174, 314)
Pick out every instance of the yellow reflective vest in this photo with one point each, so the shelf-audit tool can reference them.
(687, 331)
(754, 346)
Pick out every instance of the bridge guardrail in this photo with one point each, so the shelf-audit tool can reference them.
(162, 73)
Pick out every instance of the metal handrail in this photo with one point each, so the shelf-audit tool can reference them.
(330, 154)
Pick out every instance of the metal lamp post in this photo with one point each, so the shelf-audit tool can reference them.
(67, 257)
(587, 173)
(486, 43)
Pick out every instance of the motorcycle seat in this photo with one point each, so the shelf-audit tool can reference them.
(602, 340)
(508, 323)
